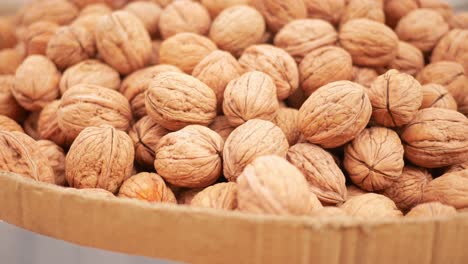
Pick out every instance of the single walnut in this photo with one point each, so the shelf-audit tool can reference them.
(409, 59)
(8, 124)
(221, 126)
(459, 20)
(184, 16)
(371, 206)
(300, 37)
(215, 7)
(36, 83)
(353, 191)
(155, 44)
(175, 100)
(48, 128)
(10, 60)
(7, 33)
(146, 135)
(185, 197)
(100, 157)
(271, 185)
(352, 110)
(185, 50)
(395, 97)
(328, 10)
(323, 66)
(61, 12)
(123, 42)
(325, 177)
(435, 95)
(56, 157)
(253, 139)
(8, 105)
(450, 189)
(222, 65)
(38, 36)
(452, 47)
(30, 125)
(396, 9)
(422, 28)
(237, 28)
(275, 62)
(98, 8)
(147, 187)
(148, 12)
(190, 157)
(278, 13)
(86, 105)
(432, 209)
(288, 120)
(436, 138)
(370, 43)
(251, 96)
(364, 76)
(219, 196)
(22, 155)
(370, 9)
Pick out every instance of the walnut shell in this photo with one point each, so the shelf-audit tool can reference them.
(432, 209)
(10, 60)
(323, 66)
(146, 135)
(186, 196)
(328, 10)
(253, 139)
(251, 96)
(422, 28)
(95, 9)
(215, 7)
(190, 157)
(89, 22)
(353, 191)
(364, 76)
(452, 47)
(221, 126)
(147, 187)
(8, 105)
(56, 157)
(450, 189)
(370, 9)
(185, 50)
(237, 28)
(278, 13)
(459, 20)
(123, 42)
(409, 59)
(458, 167)
(61, 12)
(436, 138)
(395, 97)
(371, 206)
(350, 105)
(21, 154)
(219, 196)
(87, 105)
(38, 36)
(30, 125)
(148, 12)
(325, 177)
(275, 62)
(396, 9)
(48, 127)
(288, 120)
(435, 95)
(7, 33)
(100, 157)
(271, 185)
(8, 124)
(36, 83)
(302, 36)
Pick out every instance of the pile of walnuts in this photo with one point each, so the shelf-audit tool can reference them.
(323, 108)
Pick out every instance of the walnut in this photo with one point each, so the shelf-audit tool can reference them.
(288, 120)
(409, 59)
(100, 157)
(148, 13)
(95, 9)
(10, 60)
(215, 7)
(61, 12)
(186, 196)
(452, 47)
(190, 157)
(459, 20)
(21, 154)
(175, 100)
(8, 105)
(422, 28)
(48, 128)
(56, 157)
(185, 50)
(89, 22)
(87, 105)
(395, 97)
(275, 62)
(147, 187)
(237, 28)
(370, 9)
(364, 76)
(38, 36)
(325, 177)
(353, 191)
(432, 209)
(329, 10)
(155, 44)
(450, 189)
(36, 82)
(253, 139)
(217, 70)
(184, 16)
(123, 42)
(7, 33)
(8, 124)
(323, 66)
(251, 96)
(219, 196)
(271, 185)
(435, 95)
(350, 105)
(30, 125)
(221, 126)
(371, 206)
(370, 43)
(302, 36)
(436, 138)
(278, 13)
(146, 135)
(396, 9)
(458, 167)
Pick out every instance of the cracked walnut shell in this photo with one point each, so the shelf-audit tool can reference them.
(8, 124)
(452, 47)
(48, 128)
(278, 13)
(147, 187)
(288, 120)
(450, 189)
(328, 10)
(219, 196)
(8, 104)
(56, 158)
(435, 95)
(432, 209)
(371, 206)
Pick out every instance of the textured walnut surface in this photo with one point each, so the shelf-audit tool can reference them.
(219, 196)
(147, 187)
(371, 206)
(449, 189)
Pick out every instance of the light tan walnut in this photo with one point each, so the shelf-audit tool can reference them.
(8, 105)
(36, 83)
(431, 210)
(221, 126)
(221, 196)
(323, 66)
(61, 12)
(275, 62)
(98, 8)
(328, 10)
(48, 128)
(147, 187)
(30, 125)
(8, 124)
(215, 7)
(86, 105)
(7, 33)
(148, 12)
(100, 157)
(409, 59)
(459, 20)
(371, 206)
(38, 36)
(278, 13)
(353, 191)
(396, 9)
(56, 157)
(190, 157)
(435, 95)
(370, 43)
(185, 197)
(89, 22)
(271, 185)
(351, 107)
(10, 60)
(184, 16)
(237, 28)
(364, 76)
(288, 120)
(453, 47)
(450, 189)
(370, 9)
(253, 139)
(436, 138)
(123, 42)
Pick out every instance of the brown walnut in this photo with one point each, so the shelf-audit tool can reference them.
(328, 10)
(288, 120)
(278, 13)
(432, 209)
(219, 196)
(221, 126)
(452, 47)
(435, 95)
(8, 104)
(147, 187)
(371, 206)
(48, 127)
(38, 36)
(148, 12)
(56, 158)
